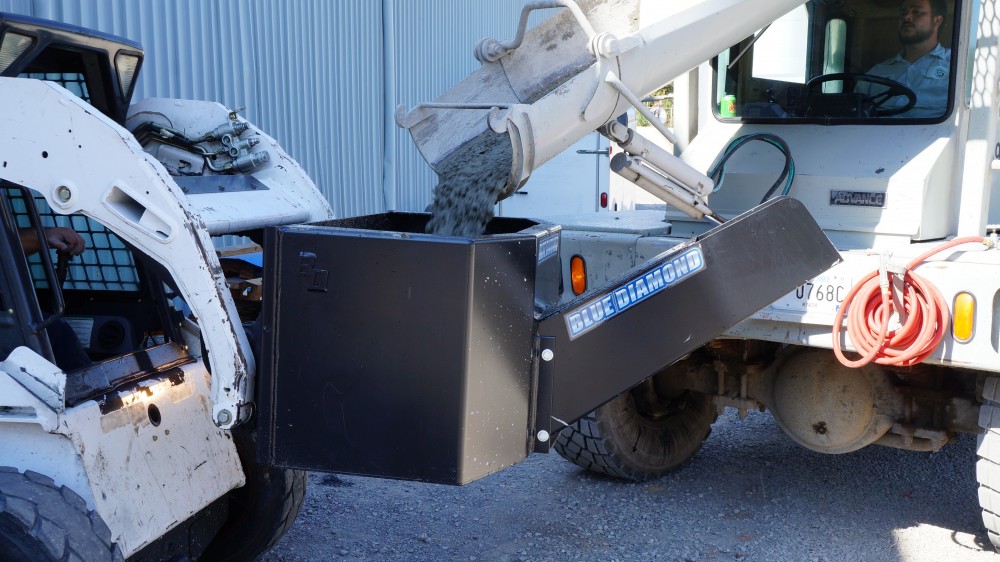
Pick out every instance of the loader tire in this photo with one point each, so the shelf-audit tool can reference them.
(261, 511)
(42, 521)
(622, 440)
(988, 465)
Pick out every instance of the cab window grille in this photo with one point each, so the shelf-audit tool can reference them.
(72, 81)
(106, 264)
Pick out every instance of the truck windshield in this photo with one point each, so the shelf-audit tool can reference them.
(843, 61)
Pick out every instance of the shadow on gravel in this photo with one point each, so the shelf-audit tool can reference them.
(334, 481)
(749, 494)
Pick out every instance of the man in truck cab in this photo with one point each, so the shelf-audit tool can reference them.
(921, 65)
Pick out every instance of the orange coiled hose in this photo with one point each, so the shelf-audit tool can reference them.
(924, 309)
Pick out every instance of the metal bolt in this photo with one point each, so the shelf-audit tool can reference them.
(605, 45)
(547, 355)
(543, 436)
(64, 193)
(225, 416)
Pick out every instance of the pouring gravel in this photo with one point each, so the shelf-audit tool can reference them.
(470, 181)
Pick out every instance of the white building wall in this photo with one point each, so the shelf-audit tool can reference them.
(321, 76)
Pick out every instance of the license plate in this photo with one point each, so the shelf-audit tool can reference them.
(823, 293)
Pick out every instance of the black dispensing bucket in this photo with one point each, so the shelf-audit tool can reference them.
(393, 353)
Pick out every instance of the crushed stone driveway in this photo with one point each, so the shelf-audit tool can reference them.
(749, 494)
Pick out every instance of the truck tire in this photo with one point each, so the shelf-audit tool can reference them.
(623, 440)
(42, 521)
(261, 511)
(988, 465)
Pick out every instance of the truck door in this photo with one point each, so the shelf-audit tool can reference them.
(570, 183)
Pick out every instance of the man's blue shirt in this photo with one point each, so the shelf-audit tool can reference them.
(927, 77)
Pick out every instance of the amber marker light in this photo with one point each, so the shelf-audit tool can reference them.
(578, 275)
(963, 320)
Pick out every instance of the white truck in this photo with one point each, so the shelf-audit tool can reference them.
(160, 399)
(898, 344)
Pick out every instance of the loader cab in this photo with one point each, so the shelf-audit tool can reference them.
(109, 314)
(97, 67)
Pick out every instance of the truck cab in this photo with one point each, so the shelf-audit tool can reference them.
(878, 179)
(806, 79)
(893, 179)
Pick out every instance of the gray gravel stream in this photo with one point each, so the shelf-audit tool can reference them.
(749, 494)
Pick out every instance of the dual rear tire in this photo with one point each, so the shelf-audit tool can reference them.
(640, 435)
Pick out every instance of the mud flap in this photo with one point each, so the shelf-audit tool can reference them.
(598, 346)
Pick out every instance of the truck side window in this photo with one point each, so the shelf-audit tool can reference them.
(782, 49)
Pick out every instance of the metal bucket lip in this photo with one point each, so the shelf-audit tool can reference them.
(395, 224)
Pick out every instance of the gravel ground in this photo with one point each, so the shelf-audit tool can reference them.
(749, 494)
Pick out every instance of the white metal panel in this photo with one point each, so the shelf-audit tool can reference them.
(566, 185)
(147, 477)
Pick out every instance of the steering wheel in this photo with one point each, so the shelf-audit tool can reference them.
(873, 102)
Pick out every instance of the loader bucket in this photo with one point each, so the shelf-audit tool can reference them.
(393, 353)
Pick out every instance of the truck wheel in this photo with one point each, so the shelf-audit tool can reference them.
(42, 521)
(261, 511)
(639, 435)
(988, 465)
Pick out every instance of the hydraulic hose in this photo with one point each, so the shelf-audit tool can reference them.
(718, 170)
(925, 315)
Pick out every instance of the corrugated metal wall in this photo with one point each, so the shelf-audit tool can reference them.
(308, 72)
(432, 52)
(15, 6)
(323, 77)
